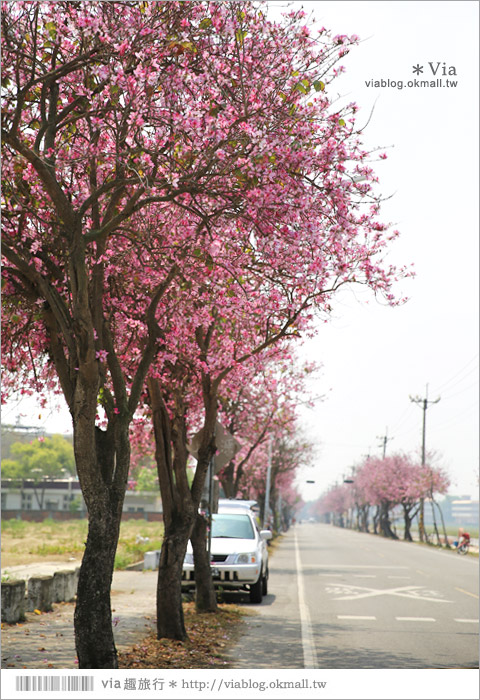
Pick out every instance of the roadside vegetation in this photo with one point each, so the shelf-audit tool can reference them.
(26, 542)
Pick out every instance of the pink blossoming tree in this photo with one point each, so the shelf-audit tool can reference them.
(149, 163)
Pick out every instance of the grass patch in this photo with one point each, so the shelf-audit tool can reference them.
(25, 542)
(15, 528)
(210, 636)
(46, 550)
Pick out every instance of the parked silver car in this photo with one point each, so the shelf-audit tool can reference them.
(239, 552)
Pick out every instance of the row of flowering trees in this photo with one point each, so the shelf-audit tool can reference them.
(181, 199)
(380, 486)
(261, 414)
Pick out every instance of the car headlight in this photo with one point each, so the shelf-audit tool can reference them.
(246, 558)
(188, 558)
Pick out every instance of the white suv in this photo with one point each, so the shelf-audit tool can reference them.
(239, 553)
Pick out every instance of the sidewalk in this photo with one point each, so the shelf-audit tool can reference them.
(47, 640)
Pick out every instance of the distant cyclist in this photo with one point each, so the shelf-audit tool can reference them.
(463, 541)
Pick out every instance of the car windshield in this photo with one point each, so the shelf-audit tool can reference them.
(236, 526)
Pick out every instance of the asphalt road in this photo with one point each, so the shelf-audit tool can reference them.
(340, 599)
(337, 600)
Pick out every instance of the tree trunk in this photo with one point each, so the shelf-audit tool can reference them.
(205, 596)
(384, 522)
(447, 545)
(170, 620)
(227, 480)
(421, 522)
(102, 460)
(364, 518)
(180, 508)
(435, 520)
(104, 491)
(93, 617)
(180, 502)
(407, 535)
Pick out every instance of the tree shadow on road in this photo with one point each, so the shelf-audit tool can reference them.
(277, 643)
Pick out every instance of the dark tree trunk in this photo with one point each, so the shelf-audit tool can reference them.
(104, 491)
(364, 518)
(93, 617)
(180, 506)
(227, 480)
(408, 523)
(384, 522)
(205, 597)
(170, 620)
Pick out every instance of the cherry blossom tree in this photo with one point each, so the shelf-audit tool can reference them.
(397, 480)
(186, 137)
(334, 504)
(264, 403)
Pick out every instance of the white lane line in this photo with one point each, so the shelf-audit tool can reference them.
(364, 576)
(356, 617)
(353, 566)
(474, 622)
(309, 651)
(416, 619)
(400, 577)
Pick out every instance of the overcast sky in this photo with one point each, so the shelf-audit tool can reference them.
(375, 357)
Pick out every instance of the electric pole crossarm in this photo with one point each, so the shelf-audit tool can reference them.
(384, 439)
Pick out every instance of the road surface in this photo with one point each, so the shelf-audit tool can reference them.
(340, 599)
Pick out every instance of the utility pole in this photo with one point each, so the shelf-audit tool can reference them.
(266, 510)
(424, 403)
(384, 440)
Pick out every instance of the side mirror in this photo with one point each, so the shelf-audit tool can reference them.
(266, 534)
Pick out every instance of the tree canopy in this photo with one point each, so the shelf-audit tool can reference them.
(42, 458)
(181, 199)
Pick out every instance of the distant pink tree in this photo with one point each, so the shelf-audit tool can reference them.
(262, 405)
(335, 503)
(397, 481)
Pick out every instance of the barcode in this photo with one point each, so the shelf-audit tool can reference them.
(52, 683)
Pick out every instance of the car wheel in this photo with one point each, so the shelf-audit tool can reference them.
(265, 583)
(256, 593)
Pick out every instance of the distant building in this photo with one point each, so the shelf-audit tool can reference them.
(464, 511)
(62, 499)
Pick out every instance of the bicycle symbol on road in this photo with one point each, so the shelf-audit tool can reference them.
(348, 592)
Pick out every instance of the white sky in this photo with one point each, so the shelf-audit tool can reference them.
(375, 357)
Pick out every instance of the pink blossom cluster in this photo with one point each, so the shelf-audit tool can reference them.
(186, 171)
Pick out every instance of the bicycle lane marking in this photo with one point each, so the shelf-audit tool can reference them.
(474, 595)
(309, 651)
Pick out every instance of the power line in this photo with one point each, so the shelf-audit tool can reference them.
(442, 386)
(451, 396)
(407, 414)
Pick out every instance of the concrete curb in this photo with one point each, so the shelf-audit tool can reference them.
(36, 591)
